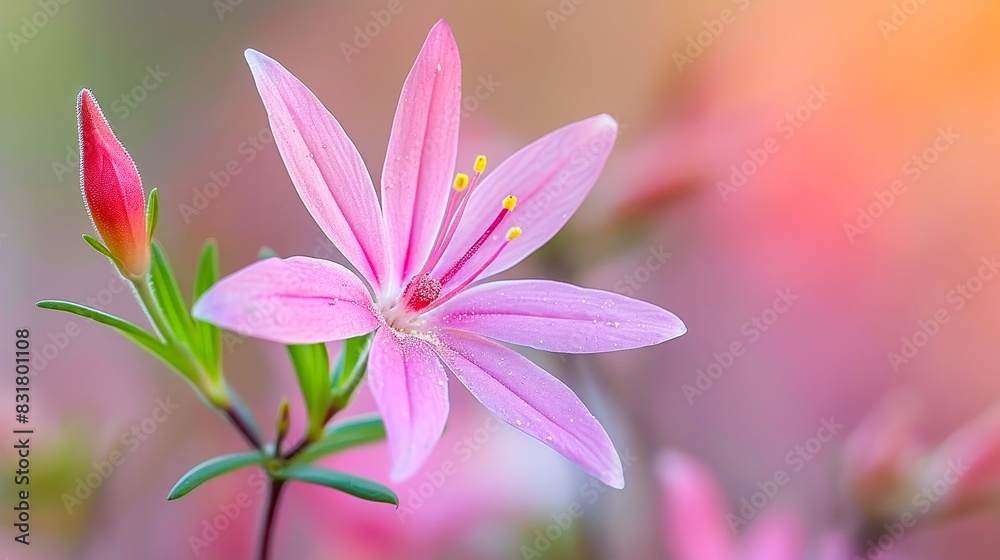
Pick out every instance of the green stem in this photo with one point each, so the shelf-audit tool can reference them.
(273, 496)
(152, 307)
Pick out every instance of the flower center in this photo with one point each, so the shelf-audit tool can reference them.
(424, 292)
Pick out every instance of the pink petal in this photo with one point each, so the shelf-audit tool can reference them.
(968, 464)
(773, 537)
(533, 401)
(411, 390)
(880, 453)
(693, 510)
(420, 160)
(558, 317)
(550, 178)
(325, 168)
(299, 300)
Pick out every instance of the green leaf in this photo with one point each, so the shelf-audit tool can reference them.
(213, 468)
(347, 483)
(350, 369)
(100, 248)
(211, 335)
(152, 213)
(312, 367)
(130, 330)
(266, 253)
(167, 293)
(344, 435)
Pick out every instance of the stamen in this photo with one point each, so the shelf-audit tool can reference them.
(512, 234)
(453, 213)
(508, 205)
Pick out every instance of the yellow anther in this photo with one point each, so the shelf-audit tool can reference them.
(461, 181)
(480, 164)
(513, 233)
(510, 202)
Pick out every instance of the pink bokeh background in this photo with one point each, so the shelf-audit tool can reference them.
(825, 108)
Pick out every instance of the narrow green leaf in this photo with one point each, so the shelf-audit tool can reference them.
(100, 248)
(347, 483)
(130, 330)
(312, 367)
(152, 213)
(213, 468)
(207, 276)
(168, 294)
(344, 435)
(350, 368)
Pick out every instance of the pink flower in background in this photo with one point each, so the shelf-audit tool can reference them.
(433, 236)
(695, 519)
(112, 188)
(889, 473)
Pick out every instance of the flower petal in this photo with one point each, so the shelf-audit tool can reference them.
(325, 168)
(533, 401)
(968, 463)
(420, 160)
(558, 317)
(775, 536)
(411, 390)
(299, 300)
(550, 178)
(693, 510)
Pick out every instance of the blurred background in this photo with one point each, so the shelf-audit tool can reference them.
(805, 184)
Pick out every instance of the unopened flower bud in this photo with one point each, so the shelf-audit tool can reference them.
(112, 189)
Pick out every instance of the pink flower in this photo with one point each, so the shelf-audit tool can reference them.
(889, 473)
(432, 238)
(112, 189)
(698, 527)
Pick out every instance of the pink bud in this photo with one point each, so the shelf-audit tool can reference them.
(965, 469)
(879, 457)
(112, 189)
(693, 509)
